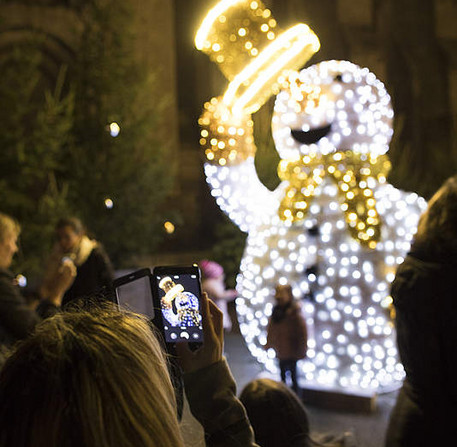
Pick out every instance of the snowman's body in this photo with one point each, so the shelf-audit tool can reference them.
(352, 343)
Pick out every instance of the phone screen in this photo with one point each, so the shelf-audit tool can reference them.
(179, 296)
(136, 296)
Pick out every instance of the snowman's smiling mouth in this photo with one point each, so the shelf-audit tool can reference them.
(311, 136)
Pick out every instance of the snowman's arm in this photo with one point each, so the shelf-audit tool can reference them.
(241, 195)
(400, 212)
(228, 143)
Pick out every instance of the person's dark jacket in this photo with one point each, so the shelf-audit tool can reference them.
(93, 274)
(287, 333)
(211, 392)
(17, 320)
(424, 294)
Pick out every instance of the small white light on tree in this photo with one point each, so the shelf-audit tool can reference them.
(114, 129)
(169, 227)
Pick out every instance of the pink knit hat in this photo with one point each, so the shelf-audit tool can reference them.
(211, 269)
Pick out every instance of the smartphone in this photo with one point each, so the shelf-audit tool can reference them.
(177, 291)
(133, 292)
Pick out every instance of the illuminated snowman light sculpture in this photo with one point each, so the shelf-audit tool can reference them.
(334, 228)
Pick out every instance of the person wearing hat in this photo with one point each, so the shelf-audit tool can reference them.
(213, 284)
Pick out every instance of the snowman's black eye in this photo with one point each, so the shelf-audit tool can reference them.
(338, 78)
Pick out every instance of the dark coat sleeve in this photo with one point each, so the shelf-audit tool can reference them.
(424, 297)
(289, 336)
(91, 276)
(211, 393)
(419, 294)
(105, 272)
(17, 320)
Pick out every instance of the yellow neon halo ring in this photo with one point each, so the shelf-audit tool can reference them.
(267, 65)
(210, 18)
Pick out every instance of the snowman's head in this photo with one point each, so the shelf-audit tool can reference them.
(332, 106)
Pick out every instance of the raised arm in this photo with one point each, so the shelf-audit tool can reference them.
(230, 171)
(210, 387)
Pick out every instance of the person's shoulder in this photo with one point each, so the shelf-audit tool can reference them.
(295, 308)
(98, 249)
(99, 253)
(415, 274)
(421, 265)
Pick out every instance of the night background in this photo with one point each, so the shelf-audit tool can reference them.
(71, 68)
(99, 108)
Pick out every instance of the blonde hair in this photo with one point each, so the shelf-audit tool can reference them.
(8, 225)
(89, 379)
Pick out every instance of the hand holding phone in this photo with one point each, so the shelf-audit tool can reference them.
(212, 348)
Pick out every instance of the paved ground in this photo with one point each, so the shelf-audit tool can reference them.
(368, 429)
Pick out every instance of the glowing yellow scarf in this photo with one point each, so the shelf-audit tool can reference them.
(355, 175)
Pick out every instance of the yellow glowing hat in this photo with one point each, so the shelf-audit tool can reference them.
(242, 37)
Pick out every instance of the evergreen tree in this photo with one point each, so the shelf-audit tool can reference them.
(131, 169)
(59, 156)
(35, 124)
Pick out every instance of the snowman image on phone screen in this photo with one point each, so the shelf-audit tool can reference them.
(179, 308)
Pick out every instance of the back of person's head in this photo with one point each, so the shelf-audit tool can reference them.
(88, 380)
(278, 417)
(284, 290)
(285, 302)
(73, 222)
(8, 225)
(437, 230)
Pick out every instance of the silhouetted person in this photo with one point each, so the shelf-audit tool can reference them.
(425, 300)
(279, 418)
(17, 318)
(287, 333)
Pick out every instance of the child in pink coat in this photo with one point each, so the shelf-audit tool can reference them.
(213, 284)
